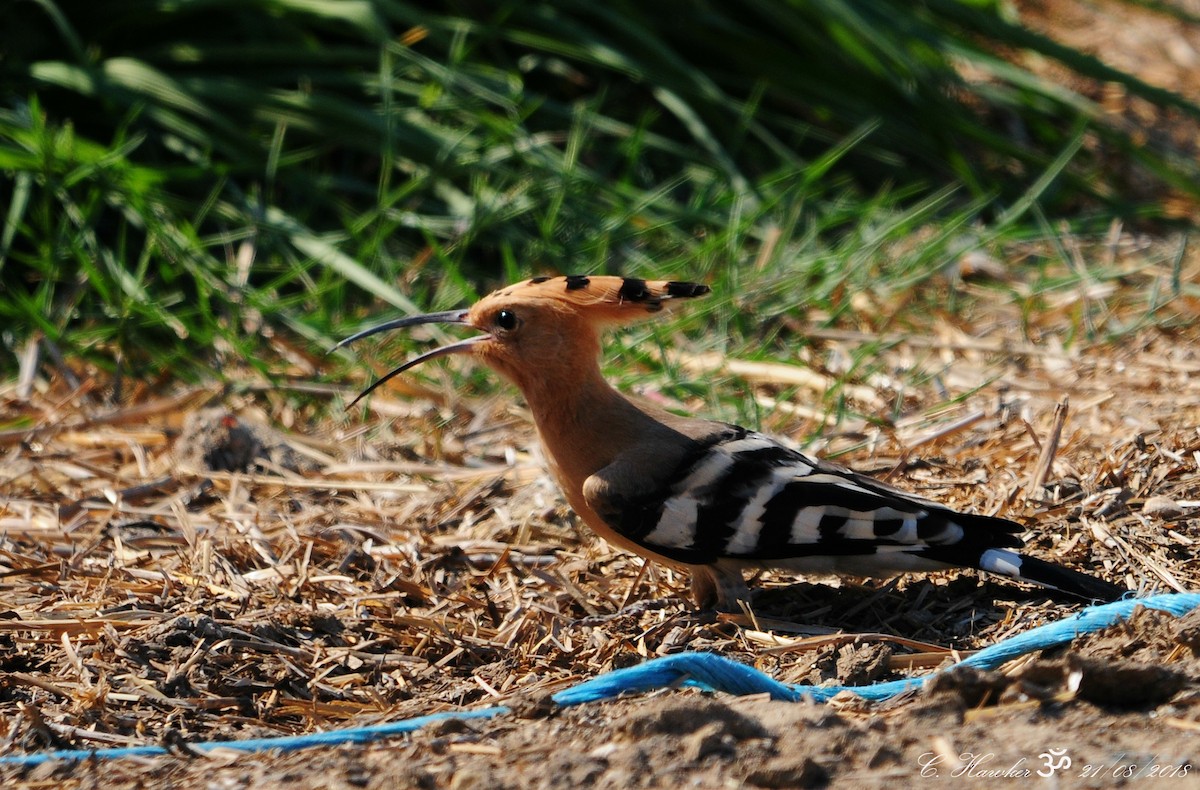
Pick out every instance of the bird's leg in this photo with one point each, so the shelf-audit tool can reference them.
(719, 587)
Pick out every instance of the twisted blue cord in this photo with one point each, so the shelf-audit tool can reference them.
(714, 673)
(699, 670)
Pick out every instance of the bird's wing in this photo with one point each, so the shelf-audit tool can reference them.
(742, 495)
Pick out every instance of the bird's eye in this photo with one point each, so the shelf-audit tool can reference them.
(506, 319)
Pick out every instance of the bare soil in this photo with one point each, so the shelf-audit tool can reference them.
(692, 739)
(207, 565)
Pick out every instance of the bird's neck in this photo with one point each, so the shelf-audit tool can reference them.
(583, 422)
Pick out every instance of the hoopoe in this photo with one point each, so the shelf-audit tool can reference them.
(712, 497)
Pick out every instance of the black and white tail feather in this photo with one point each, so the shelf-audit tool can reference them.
(741, 499)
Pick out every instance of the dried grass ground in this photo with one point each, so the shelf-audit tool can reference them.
(349, 572)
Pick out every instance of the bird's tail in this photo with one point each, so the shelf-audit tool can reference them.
(1006, 562)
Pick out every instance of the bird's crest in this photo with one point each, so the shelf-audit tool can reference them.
(602, 299)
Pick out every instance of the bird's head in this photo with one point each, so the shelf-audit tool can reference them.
(537, 327)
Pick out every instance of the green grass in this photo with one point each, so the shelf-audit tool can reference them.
(185, 178)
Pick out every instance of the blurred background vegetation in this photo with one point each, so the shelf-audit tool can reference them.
(184, 180)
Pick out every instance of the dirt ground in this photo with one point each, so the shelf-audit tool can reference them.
(220, 565)
(688, 738)
(208, 564)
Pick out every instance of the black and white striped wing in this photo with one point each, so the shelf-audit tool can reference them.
(741, 495)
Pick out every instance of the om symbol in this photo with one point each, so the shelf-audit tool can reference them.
(1062, 763)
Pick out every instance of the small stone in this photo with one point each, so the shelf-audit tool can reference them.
(858, 665)
(447, 726)
(538, 705)
(1162, 507)
(804, 772)
(604, 751)
(712, 738)
(973, 687)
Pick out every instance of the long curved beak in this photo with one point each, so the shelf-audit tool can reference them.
(447, 317)
(450, 316)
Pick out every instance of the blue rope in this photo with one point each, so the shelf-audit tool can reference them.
(714, 673)
(699, 670)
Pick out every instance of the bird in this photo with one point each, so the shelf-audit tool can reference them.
(714, 498)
